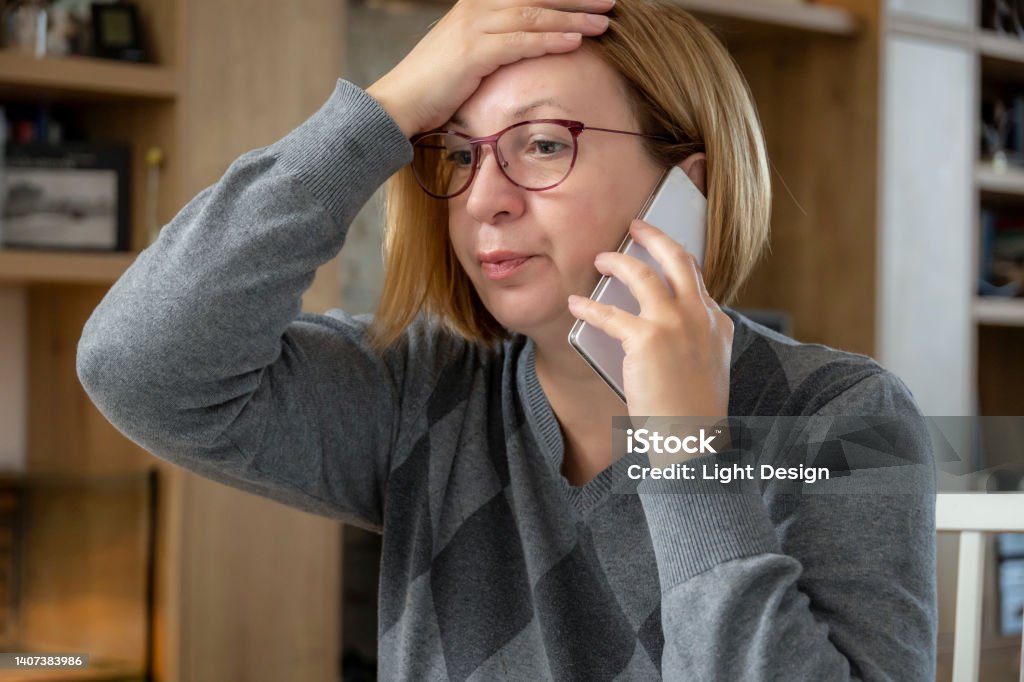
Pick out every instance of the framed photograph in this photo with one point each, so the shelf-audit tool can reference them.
(73, 197)
(115, 32)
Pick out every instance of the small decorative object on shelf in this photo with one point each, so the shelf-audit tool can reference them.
(57, 28)
(25, 26)
(43, 123)
(115, 32)
(1004, 17)
(73, 196)
(65, 30)
(69, 30)
(995, 128)
(154, 161)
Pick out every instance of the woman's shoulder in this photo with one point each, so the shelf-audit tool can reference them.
(426, 353)
(772, 373)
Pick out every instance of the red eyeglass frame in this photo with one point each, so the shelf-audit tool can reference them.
(574, 127)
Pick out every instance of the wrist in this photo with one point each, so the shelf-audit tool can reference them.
(395, 111)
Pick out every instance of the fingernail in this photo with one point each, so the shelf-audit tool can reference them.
(598, 20)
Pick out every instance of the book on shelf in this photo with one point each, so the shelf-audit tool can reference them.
(1001, 266)
(1010, 552)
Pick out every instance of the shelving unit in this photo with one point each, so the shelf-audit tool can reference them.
(1009, 183)
(69, 77)
(760, 19)
(873, 139)
(1000, 322)
(22, 266)
(994, 46)
(961, 353)
(999, 354)
(1007, 312)
(104, 528)
(225, 604)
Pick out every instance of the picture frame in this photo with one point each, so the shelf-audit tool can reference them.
(115, 32)
(67, 197)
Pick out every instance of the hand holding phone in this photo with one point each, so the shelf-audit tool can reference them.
(678, 208)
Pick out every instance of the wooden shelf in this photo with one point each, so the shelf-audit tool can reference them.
(22, 266)
(754, 19)
(932, 29)
(989, 181)
(995, 46)
(77, 76)
(1002, 58)
(1002, 312)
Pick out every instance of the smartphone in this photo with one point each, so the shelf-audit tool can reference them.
(677, 208)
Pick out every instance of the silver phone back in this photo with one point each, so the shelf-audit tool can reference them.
(677, 208)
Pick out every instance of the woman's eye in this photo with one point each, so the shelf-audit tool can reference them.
(547, 147)
(460, 157)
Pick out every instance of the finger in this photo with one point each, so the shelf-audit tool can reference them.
(532, 19)
(568, 5)
(614, 322)
(678, 264)
(643, 281)
(501, 49)
(702, 287)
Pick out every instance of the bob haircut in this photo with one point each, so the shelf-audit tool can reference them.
(682, 85)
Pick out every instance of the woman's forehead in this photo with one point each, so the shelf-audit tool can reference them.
(576, 85)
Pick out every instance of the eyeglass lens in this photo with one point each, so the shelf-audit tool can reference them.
(534, 156)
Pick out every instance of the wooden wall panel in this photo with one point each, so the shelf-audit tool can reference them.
(66, 433)
(13, 376)
(260, 581)
(821, 133)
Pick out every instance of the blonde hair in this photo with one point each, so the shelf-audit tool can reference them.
(682, 85)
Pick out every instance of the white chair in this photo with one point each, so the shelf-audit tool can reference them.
(972, 515)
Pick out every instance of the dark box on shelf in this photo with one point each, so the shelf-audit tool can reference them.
(71, 196)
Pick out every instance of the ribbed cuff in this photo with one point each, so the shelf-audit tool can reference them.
(351, 143)
(702, 523)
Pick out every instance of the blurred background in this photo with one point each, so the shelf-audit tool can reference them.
(895, 130)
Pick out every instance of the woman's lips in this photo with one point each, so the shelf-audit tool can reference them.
(501, 269)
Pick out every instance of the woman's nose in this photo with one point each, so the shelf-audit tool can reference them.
(492, 194)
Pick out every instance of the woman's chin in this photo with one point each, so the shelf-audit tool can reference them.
(536, 308)
(532, 320)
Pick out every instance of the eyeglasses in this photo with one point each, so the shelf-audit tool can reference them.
(534, 155)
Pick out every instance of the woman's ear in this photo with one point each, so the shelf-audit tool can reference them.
(695, 166)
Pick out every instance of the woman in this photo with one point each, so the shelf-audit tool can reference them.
(460, 423)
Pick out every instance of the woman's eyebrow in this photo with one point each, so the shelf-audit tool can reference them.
(518, 114)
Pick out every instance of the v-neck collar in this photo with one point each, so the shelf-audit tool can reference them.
(546, 429)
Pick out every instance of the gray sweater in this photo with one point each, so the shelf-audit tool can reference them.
(494, 566)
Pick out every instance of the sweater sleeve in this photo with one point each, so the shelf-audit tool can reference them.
(199, 352)
(831, 586)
